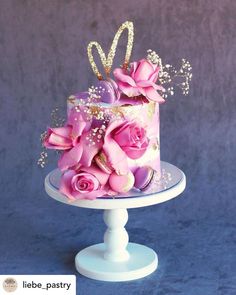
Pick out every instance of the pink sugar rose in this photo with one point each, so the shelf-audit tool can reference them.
(140, 80)
(79, 122)
(124, 139)
(132, 138)
(59, 138)
(85, 183)
(64, 138)
(72, 139)
(82, 153)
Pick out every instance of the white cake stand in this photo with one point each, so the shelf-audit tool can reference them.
(116, 259)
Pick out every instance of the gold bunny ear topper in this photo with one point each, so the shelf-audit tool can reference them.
(108, 61)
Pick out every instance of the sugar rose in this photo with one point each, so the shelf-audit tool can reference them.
(84, 183)
(132, 138)
(58, 138)
(140, 80)
(124, 139)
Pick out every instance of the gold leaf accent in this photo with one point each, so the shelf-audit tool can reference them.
(71, 99)
(151, 109)
(107, 62)
(118, 111)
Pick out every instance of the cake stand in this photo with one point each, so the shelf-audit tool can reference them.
(116, 259)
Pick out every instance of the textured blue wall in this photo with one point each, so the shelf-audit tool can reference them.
(43, 60)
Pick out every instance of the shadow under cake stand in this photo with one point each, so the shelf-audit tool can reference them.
(116, 259)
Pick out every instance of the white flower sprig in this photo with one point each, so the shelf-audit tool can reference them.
(169, 76)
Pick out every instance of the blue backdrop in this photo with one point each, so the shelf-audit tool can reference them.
(43, 60)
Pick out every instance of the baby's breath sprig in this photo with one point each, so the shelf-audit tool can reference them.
(169, 76)
(42, 161)
(155, 59)
(57, 120)
(94, 94)
(185, 76)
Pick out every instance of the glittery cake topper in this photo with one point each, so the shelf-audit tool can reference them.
(166, 76)
(108, 61)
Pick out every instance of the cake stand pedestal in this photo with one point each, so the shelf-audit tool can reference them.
(116, 259)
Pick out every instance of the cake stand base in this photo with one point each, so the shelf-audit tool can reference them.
(116, 259)
(90, 262)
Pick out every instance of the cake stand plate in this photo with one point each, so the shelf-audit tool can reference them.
(116, 259)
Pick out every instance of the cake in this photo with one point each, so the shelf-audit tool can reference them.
(110, 143)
